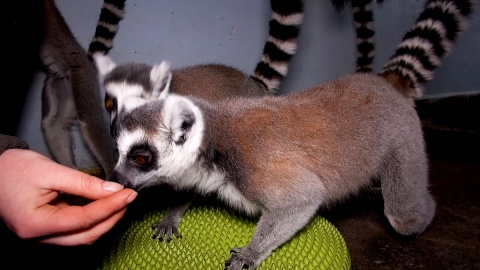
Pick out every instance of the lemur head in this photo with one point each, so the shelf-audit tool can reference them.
(158, 141)
(128, 84)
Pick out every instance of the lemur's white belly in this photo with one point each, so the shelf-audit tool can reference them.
(214, 181)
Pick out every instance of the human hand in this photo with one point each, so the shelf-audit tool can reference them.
(30, 185)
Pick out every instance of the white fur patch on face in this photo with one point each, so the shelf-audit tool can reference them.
(122, 92)
(131, 103)
(126, 139)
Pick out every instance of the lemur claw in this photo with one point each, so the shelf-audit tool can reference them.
(237, 261)
(165, 232)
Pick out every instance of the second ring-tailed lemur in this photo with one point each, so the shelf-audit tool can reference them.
(219, 81)
(284, 157)
(71, 95)
(127, 84)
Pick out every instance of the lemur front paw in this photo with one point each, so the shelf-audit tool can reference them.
(165, 229)
(238, 261)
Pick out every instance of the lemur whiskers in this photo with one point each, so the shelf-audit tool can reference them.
(290, 155)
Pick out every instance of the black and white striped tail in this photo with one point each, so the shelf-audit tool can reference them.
(111, 14)
(363, 17)
(422, 47)
(287, 17)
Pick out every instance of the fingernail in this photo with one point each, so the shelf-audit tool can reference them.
(112, 186)
(132, 197)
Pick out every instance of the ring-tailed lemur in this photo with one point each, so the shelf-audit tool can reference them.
(71, 95)
(284, 157)
(127, 84)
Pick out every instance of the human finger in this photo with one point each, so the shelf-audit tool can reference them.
(72, 218)
(81, 184)
(87, 236)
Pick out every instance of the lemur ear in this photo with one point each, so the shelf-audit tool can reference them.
(104, 64)
(161, 78)
(179, 117)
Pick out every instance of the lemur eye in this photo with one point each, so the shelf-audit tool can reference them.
(141, 156)
(109, 104)
(141, 160)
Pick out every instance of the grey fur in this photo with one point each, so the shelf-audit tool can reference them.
(71, 96)
(287, 156)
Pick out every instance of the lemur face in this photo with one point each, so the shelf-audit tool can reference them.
(128, 84)
(158, 141)
(139, 161)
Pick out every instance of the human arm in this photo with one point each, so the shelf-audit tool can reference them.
(11, 142)
(30, 185)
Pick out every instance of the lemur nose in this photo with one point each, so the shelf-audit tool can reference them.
(118, 177)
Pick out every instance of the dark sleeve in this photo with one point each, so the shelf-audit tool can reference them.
(23, 31)
(10, 142)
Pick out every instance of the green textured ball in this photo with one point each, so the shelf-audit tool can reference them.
(208, 234)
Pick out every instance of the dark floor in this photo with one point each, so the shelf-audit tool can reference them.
(453, 239)
(451, 242)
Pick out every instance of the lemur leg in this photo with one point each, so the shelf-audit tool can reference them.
(408, 204)
(90, 114)
(58, 115)
(274, 228)
(168, 225)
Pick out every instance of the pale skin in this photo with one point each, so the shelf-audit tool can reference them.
(31, 205)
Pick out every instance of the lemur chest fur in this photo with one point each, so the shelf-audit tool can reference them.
(213, 180)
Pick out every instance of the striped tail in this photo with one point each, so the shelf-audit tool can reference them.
(281, 45)
(431, 38)
(363, 17)
(111, 14)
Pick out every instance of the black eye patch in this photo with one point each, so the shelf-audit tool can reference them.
(143, 157)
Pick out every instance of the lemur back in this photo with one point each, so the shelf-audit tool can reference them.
(284, 157)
